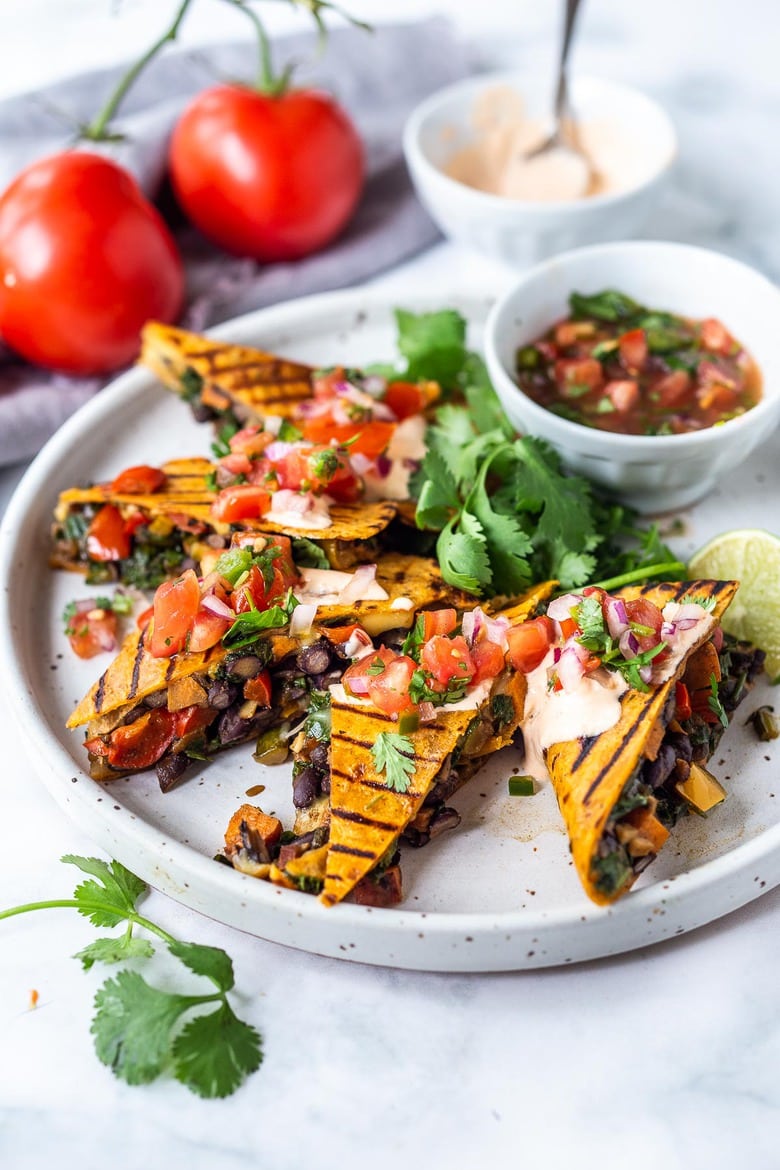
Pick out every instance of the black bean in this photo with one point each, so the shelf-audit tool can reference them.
(202, 413)
(318, 756)
(314, 659)
(325, 784)
(305, 788)
(681, 744)
(444, 819)
(221, 694)
(170, 768)
(232, 728)
(247, 666)
(158, 699)
(656, 772)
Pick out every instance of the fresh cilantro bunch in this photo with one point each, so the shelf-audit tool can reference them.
(506, 513)
(140, 1032)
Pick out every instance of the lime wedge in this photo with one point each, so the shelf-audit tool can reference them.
(752, 557)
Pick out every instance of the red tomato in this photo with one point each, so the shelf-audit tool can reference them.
(673, 388)
(176, 604)
(682, 701)
(447, 659)
(529, 643)
(92, 631)
(623, 394)
(138, 481)
(141, 743)
(404, 399)
(579, 372)
(643, 613)
(251, 441)
(438, 621)
(345, 487)
(244, 501)
(254, 593)
(207, 631)
(191, 719)
(85, 260)
(107, 536)
(236, 464)
(715, 336)
(274, 178)
(388, 687)
(488, 661)
(143, 619)
(632, 347)
(369, 438)
(258, 689)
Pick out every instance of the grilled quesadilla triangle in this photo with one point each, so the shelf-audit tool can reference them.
(367, 816)
(597, 779)
(222, 377)
(185, 501)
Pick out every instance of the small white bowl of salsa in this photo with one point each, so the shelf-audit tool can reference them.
(653, 368)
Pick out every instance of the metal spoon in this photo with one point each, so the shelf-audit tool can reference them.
(564, 132)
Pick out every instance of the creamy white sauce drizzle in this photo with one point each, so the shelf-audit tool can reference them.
(325, 586)
(408, 443)
(316, 514)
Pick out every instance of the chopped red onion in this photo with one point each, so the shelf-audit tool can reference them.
(361, 587)
(215, 605)
(278, 450)
(472, 622)
(375, 385)
(309, 408)
(288, 500)
(570, 668)
(427, 712)
(358, 644)
(358, 685)
(646, 673)
(617, 617)
(273, 424)
(668, 630)
(687, 623)
(105, 637)
(384, 466)
(557, 655)
(302, 619)
(629, 647)
(361, 463)
(560, 608)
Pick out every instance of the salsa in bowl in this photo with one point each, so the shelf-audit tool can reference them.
(695, 389)
(618, 366)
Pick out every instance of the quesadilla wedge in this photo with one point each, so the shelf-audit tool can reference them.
(625, 708)
(398, 752)
(217, 378)
(228, 657)
(149, 523)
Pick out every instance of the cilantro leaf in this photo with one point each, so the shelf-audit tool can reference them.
(609, 305)
(249, 624)
(214, 1053)
(714, 703)
(112, 898)
(212, 962)
(463, 555)
(589, 617)
(307, 554)
(114, 950)
(507, 545)
(132, 1026)
(439, 496)
(393, 754)
(434, 344)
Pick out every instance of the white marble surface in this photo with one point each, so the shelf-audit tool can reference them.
(667, 1057)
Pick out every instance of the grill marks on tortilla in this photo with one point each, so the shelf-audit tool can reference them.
(589, 775)
(252, 380)
(136, 667)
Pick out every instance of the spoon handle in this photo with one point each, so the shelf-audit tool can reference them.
(562, 94)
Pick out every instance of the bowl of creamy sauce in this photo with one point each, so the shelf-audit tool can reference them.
(467, 149)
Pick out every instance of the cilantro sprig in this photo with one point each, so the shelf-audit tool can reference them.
(139, 1031)
(393, 754)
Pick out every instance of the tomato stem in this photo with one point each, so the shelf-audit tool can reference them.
(266, 82)
(98, 129)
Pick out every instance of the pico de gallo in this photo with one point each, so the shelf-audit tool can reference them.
(618, 366)
(91, 624)
(442, 660)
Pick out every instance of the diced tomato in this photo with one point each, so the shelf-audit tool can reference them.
(326, 383)
(568, 628)
(716, 396)
(207, 631)
(144, 617)
(244, 501)
(141, 743)
(133, 521)
(404, 399)
(92, 631)
(384, 678)
(254, 593)
(176, 604)
(683, 701)
(573, 373)
(236, 464)
(488, 659)
(250, 442)
(632, 348)
(107, 538)
(369, 438)
(139, 481)
(642, 612)
(715, 336)
(258, 689)
(345, 487)
(673, 388)
(438, 621)
(447, 659)
(529, 643)
(624, 395)
(570, 332)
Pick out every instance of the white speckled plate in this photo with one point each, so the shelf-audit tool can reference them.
(500, 892)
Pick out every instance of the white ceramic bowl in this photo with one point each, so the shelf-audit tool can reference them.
(660, 472)
(521, 232)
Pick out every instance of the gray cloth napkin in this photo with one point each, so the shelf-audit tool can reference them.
(378, 77)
